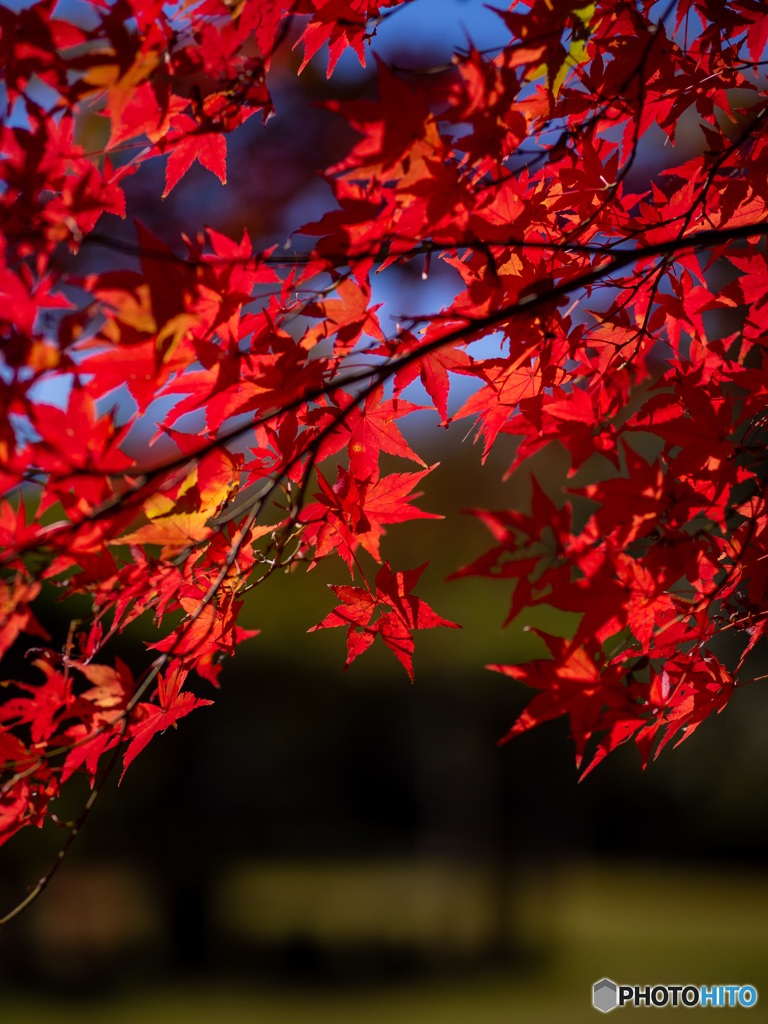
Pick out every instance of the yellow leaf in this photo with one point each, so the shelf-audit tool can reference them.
(577, 54)
(174, 533)
(121, 92)
(133, 308)
(158, 505)
(42, 356)
(102, 75)
(537, 72)
(586, 14)
(513, 266)
(260, 531)
(173, 331)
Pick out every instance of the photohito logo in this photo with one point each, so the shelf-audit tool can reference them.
(607, 995)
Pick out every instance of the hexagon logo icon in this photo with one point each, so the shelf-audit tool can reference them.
(604, 995)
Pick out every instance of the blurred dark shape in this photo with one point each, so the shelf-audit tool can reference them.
(360, 918)
(97, 921)
(189, 926)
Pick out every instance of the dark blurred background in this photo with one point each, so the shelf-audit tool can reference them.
(348, 846)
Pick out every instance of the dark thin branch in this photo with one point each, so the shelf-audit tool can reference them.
(75, 828)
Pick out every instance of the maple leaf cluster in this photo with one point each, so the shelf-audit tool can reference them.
(513, 168)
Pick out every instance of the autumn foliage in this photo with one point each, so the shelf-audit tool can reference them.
(512, 168)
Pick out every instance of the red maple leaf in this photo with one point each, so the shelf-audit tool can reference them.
(401, 613)
(353, 512)
(189, 144)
